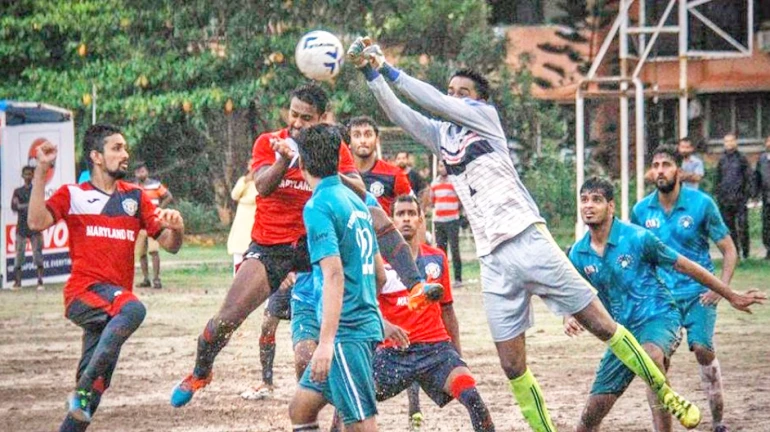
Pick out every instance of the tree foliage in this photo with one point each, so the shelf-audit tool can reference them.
(193, 82)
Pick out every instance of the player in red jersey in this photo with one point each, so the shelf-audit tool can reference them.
(433, 356)
(383, 180)
(104, 217)
(279, 237)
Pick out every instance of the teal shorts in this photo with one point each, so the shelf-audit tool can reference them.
(304, 324)
(350, 383)
(699, 321)
(613, 377)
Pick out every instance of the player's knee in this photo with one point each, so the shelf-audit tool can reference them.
(704, 355)
(460, 384)
(135, 311)
(513, 367)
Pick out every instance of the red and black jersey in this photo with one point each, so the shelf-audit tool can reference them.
(278, 219)
(102, 229)
(386, 181)
(426, 325)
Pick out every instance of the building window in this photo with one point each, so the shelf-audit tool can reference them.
(746, 114)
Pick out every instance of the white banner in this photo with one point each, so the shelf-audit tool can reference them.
(23, 127)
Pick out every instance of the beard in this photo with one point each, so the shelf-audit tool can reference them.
(118, 174)
(666, 187)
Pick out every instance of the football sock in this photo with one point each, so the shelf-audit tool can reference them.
(711, 381)
(310, 427)
(210, 343)
(413, 393)
(106, 353)
(71, 425)
(464, 390)
(531, 402)
(266, 357)
(626, 348)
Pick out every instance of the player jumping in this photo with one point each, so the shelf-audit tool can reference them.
(518, 256)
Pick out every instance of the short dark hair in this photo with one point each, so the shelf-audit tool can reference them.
(405, 198)
(94, 140)
(312, 94)
(687, 138)
(140, 164)
(363, 121)
(599, 185)
(404, 152)
(482, 84)
(319, 148)
(27, 168)
(670, 151)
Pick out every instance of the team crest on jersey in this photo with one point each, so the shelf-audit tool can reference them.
(625, 260)
(686, 222)
(130, 206)
(652, 223)
(377, 189)
(589, 270)
(433, 270)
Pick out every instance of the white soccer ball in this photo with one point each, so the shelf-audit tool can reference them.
(319, 55)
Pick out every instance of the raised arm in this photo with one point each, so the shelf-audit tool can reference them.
(38, 216)
(476, 115)
(426, 131)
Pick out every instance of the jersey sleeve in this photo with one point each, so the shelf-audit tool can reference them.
(573, 257)
(635, 215)
(656, 252)
(346, 165)
(59, 203)
(402, 186)
(445, 282)
(715, 225)
(150, 221)
(262, 153)
(162, 190)
(322, 240)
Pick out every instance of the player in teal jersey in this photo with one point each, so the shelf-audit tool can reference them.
(621, 260)
(346, 268)
(685, 219)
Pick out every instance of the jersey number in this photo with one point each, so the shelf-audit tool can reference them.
(365, 241)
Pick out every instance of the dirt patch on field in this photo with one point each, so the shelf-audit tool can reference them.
(39, 350)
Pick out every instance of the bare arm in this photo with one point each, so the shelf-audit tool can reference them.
(355, 183)
(700, 274)
(730, 258)
(379, 272)
(38, 216)
(166, 200)
(452, 326)
(172, 236)
(333, 290)
(267, 178)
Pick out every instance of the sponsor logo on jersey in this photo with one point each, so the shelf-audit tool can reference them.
(402, 301)
(130, 206)
(625, 260)
(111, 233)
(295, 184)
(652, 223)
(377, 189)
(686, 222)
(433, 270)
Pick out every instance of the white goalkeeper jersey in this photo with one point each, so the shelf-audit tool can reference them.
(473, 146)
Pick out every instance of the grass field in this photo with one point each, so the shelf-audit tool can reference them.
(39, 350)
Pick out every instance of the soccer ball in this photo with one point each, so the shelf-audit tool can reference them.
(319, 55)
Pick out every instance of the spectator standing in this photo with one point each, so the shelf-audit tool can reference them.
(161, 197)
(245, 194)
(20, 205)
(415, 180)
(762, 191)
(733, 189)
(446, 219)
(692, 166)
